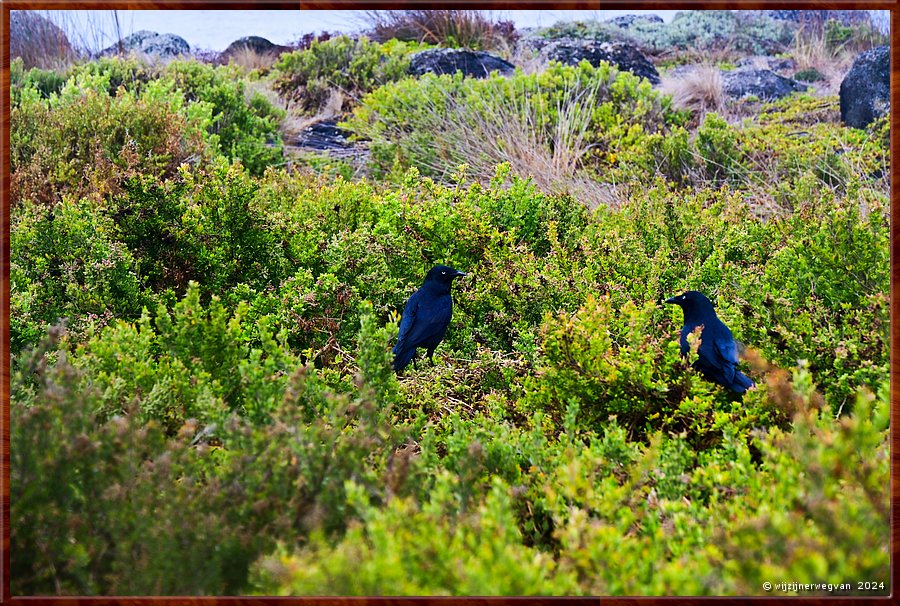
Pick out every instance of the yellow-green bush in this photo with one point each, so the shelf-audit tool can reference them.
(222, 399)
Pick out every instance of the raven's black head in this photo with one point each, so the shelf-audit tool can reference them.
(692, 302)
(443, 274)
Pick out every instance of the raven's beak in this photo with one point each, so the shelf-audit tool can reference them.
(460, 274)
(672, 300)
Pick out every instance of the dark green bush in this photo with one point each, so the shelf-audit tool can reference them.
(342, 65)
(558, 120)
(86, 142)
(124, 495)
(222, 399)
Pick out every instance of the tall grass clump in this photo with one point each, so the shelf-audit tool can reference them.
(38, 42)
(450, 28)
(829, 47)
(547, 125)
(308, 77)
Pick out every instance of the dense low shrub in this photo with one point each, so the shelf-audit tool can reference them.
(85, 142)
(117, 118)
(706, 30)
(221, 399)
(553, 122)
(125, 495)
(350, 67)
(448, 28)
(661, 508)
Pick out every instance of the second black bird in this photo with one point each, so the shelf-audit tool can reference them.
(718, 352)
(426, 316)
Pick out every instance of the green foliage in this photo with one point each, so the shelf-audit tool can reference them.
(340, 65)
(219, 396)
(68, 264)
(86, 142)
(809, 75)
(244, 122)
(403, 549)
(699, 30)
(679, 523)
(575, 115)
(210, 497)
(115, 119)
(46, 82)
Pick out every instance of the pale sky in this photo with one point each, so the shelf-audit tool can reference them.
(216, 29)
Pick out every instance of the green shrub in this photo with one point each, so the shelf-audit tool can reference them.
(67, 264)
(46, 82)
(98, 497)
(341, 64)
(557, 121)
(679, 522)
(244, 123)
(403, 549)
(809, 75)
(86, 142)
(703, 30)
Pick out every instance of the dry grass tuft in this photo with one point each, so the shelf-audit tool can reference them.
(464, 28)
(251, 59)
(293, 124)
(699, 91)
(38, 41)
(552, 156)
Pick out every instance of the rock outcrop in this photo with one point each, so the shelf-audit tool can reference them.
(762, 83)
(256, 44)
(624, 56)
(866, 89)
(626, 21)
(37, 40)
(164, 46)
(475, 64)
(818, 17)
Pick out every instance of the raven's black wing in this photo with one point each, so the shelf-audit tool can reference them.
(432, 320)
(726, 350)
(407, 320)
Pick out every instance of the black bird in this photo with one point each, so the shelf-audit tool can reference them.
(426, 316)
(718, 352)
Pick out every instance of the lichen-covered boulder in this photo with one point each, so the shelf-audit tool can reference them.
(624, 56)
(475, 64)
(626, 21)
(165, 46)
(256, 44)
(866, 89)
(761, 83)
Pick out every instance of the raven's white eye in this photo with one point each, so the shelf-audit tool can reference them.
(684, 296)
(443, 272)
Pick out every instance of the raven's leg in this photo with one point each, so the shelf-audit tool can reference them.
(431, 356)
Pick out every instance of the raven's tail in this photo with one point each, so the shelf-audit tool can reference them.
(741, 382)
(403, 357)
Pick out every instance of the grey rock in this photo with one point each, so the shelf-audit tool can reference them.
(865, 91)
(626, 21)
(761, 83)
(819, 17)
(256, 44)
(476, 64)
(164, 46)
(624, 56)
(323, 136)
(36, 39)
(775, 64)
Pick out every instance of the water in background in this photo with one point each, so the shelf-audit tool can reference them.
(216, 29)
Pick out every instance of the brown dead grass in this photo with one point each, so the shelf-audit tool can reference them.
(699, 91)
